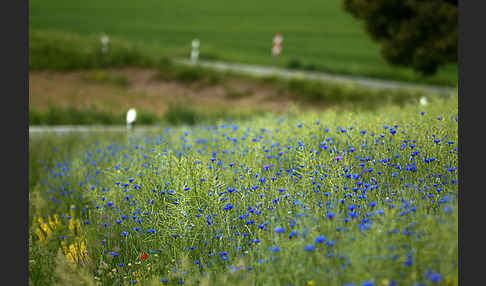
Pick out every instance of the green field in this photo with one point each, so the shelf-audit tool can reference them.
(305, 199)
(317, 34)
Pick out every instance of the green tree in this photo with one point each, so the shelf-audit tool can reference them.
(412, 33)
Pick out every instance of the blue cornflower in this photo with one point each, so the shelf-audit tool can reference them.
(113, 253)
(228, 206)
(320, 239)
(434, 277)
(279, 229)
(293, 233)
(309, 247)
(367, 283)
(274, 248)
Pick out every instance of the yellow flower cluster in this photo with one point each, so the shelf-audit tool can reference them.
(46, 228)
(76, 252)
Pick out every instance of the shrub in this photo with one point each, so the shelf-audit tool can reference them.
(294, 64)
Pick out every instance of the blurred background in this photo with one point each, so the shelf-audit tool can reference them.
(188, 62)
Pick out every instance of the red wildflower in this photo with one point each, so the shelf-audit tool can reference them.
(143, 256)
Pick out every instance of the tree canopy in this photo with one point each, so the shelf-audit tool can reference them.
(413, 33)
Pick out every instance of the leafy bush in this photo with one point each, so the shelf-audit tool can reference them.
(294, 64)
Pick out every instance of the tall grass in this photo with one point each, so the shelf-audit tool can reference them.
(312, 198)
(176, 114)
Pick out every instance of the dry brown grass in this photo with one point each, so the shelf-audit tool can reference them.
(144, 92)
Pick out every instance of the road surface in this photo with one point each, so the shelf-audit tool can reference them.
(321, 76)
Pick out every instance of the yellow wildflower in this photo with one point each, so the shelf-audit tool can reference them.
(46, 229)
(41, 236)
(56, 219)
(71, 225)
(52, 223)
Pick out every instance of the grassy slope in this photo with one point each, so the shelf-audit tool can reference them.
(315, 32)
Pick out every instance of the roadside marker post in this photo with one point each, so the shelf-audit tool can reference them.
(195, 51)
(131, 117)
(105, 40)
(277, 47)
(423, 101)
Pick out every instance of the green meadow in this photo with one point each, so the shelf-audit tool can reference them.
(318, 35)
(334, 198)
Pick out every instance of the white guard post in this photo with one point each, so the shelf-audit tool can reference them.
(423, 101)
(131, 116)
(195, 51)
(105, 40)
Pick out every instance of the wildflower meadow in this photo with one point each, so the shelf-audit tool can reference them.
(305, 198)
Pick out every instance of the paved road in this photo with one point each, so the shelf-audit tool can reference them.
(321, 76)
(67, 129)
